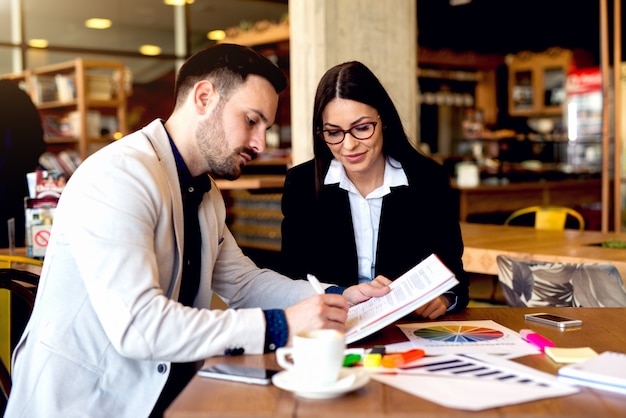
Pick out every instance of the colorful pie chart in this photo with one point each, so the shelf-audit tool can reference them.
(458, 334)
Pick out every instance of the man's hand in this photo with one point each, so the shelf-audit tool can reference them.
(317, 312)
(331, 310)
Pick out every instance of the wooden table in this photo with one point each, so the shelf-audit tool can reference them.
(253, 182)
(484, 242)
(602, 330)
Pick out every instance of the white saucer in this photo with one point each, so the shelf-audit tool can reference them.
(349, 379)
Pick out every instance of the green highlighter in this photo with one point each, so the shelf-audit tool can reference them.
(351, 359)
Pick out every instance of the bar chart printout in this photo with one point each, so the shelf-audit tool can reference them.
(480, 382)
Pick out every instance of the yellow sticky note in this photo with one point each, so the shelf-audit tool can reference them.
(570, 355)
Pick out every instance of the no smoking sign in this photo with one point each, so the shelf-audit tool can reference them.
(41, 236)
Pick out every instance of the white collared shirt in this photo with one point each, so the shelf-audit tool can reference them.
(366, 211)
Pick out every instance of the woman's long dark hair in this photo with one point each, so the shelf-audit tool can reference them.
(354, 81)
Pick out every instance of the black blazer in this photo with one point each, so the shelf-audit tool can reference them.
(416, 221)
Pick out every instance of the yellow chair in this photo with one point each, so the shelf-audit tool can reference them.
(12, 262)
(549, 217)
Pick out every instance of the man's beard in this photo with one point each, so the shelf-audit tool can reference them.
(213, 146)
(229, 167)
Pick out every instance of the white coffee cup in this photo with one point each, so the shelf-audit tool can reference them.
(317, 356)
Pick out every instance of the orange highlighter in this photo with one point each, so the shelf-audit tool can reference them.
(398, 360)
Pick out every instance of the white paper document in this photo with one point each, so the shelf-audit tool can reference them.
(607, 371)
(421, 284)
(466, 337)
(474, 384)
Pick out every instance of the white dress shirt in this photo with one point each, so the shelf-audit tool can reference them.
(366, 211)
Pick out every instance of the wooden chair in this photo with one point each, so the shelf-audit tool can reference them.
(549, 217)
(22, 287)
(18, 281)
(528, 283)
(21, 263)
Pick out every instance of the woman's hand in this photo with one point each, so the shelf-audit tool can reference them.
(364, 291)
(433, 309)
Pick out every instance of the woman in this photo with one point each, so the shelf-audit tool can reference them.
(368, 204)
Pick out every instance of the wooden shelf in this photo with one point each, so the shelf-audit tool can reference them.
(60, 140)
(57, 104)
(253, 182)
(81, 76)
(502, 198)
(261, 34)
(255, 219)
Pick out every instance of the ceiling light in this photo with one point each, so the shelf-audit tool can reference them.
(38, 43)
(216, 35)
(97, 23)
(177, 2)
(150, 50)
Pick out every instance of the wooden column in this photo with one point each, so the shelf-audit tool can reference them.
(324, 33)
(606, 146)
(618, 121)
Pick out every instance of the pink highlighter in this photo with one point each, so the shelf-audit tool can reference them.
(535, 339)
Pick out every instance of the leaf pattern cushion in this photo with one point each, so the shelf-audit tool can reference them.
(536, 283)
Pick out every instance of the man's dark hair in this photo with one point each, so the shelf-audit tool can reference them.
(226, 66)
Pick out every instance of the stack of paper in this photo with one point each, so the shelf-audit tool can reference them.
(606, 371)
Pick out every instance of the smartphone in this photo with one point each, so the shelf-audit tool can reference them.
(256, 375)
(554, 320)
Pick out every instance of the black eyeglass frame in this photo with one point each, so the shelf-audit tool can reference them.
(345, 131)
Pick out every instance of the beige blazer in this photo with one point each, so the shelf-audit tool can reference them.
(106, 322)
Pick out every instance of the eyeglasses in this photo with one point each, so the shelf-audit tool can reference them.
(361, 131)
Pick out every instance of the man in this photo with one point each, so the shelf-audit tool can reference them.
(139, 243)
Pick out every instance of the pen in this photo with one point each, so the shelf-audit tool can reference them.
(315, 283)
(535, 339)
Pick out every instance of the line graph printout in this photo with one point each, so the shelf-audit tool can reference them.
(466, 337)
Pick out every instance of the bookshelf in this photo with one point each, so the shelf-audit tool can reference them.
(255, 218)
(82, 103)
